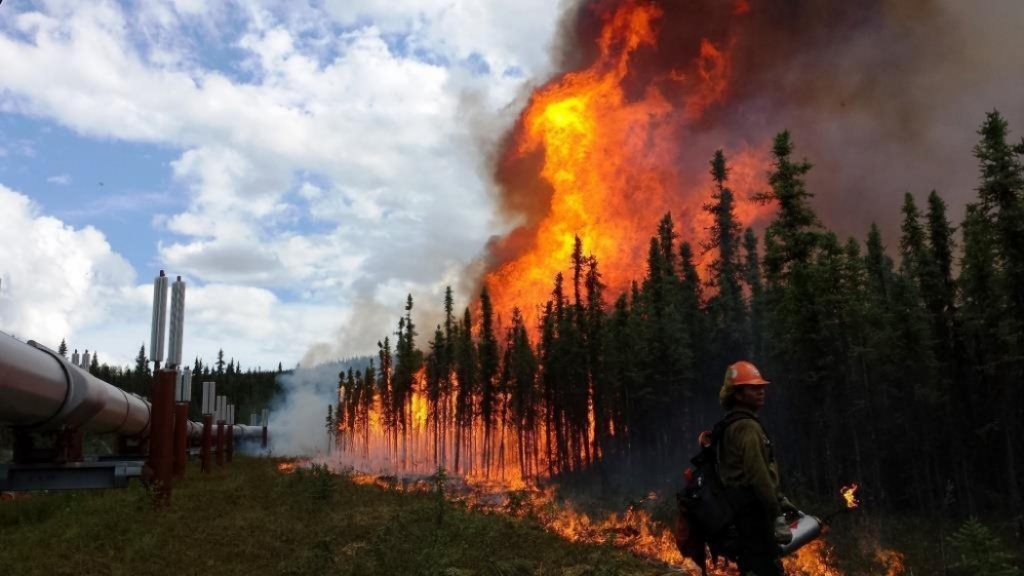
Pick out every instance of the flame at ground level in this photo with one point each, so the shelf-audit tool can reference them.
(633, 530)
(502, 470)
(289, 466)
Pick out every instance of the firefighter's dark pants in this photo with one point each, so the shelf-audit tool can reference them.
(757, 552)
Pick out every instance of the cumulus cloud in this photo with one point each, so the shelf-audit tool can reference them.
(329, 153)
(67, 283)
(504, 35)
(56, 278)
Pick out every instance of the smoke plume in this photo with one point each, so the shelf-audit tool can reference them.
(884, 97)
(298, 422)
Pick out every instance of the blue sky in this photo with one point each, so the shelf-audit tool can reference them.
(303, 165)
(114, 185)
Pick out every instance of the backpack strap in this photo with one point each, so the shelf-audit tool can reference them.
(733, 417)
(739, 497)
(718, 432)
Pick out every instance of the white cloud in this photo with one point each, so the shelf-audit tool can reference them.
(56, 278)
(59, 282)
(504, 33)
(331, 165)
(61, 179)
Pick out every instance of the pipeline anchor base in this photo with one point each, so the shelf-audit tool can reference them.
(59, 446)
(70, 476)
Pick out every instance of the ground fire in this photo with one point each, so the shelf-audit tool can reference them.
(417, 459)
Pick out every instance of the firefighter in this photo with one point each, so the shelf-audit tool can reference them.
(751, 476)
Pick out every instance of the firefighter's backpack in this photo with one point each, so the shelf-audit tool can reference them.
(703, 502)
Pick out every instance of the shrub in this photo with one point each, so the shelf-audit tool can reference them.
(978, 552)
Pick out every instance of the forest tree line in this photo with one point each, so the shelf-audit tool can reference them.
(249, 390)
(896, 363)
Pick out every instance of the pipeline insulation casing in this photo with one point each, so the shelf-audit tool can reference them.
(240, 431)
(42, 390)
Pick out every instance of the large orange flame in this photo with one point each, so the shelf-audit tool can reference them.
(611, 160)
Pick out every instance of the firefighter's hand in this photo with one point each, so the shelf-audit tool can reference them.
(783, 535)
(787, 506)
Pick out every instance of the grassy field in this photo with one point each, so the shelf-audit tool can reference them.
(248, 519)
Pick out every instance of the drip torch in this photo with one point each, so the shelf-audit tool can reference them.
(806, 527)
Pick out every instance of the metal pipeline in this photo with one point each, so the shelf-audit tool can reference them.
(41, 390)
(241, 431)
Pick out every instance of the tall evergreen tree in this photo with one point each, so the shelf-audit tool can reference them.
(141, 362)
(693, 342)
(1001, 192)
(796, 225)
(467, 375)
(726, 308)
(755, 303)
(488, 358)
(521, 365)
(791, 241)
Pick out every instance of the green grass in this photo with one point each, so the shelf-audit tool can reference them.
(248, 519)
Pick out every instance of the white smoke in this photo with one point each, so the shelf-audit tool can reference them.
(298, 417)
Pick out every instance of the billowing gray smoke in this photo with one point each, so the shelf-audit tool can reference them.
(884, 97)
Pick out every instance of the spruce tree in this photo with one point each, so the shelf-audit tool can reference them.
(522, 368)
(488, 359)
(755, 290)
(467, 375)
(795, 225)
(141, 362)
(693, 346)
(726, 308)
(1001, 193)
(794, 326)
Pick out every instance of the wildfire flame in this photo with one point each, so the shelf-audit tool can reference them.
(610, 155)
(289, 466)
(600, 153)
(373, 456)
(892, 561)
(850, 495)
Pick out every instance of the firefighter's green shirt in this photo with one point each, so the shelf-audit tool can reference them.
(746, 460)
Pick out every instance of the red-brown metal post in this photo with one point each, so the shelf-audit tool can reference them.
(161, 435)
(220, 443)
(180, 439)
(207, 441)
(68, 445)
